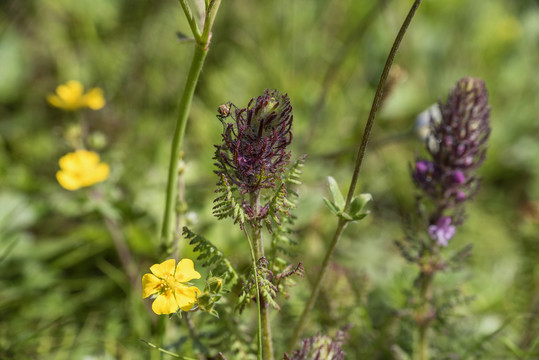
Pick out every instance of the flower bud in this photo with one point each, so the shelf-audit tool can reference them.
(214, 285)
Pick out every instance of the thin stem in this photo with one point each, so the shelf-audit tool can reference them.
(180, 212)
(377, 100)
(163, 351)
(211, 13)
(123, 252)
(256, 232)
(341, 225)
(424, 317)
(258, 305)
(361, 152)
(120, 244)
(191, 20)
(194, 334)
(200, 52)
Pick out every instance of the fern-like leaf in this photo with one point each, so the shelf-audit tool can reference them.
(212, 256)
(268, 291)
(226, 205)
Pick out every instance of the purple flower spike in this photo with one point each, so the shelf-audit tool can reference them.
(253, 154)
(457, 146)
(442, 231)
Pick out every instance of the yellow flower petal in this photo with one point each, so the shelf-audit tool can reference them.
(72, 88)
(165, 304)
(150, 285)
(70, 96)
(101, 172)
(94, 99)
(166, 268)
(81, 168)
(55, 101)
(67, 181)
(87, 158)
(186, 296)
(185, 271)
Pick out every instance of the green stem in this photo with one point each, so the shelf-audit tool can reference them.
(200, 52)
(424, 316)
(258, 305)
(191, 20)
(361, 153)
(163, 351)
(256, 232)
(377, 100)
(341, 225)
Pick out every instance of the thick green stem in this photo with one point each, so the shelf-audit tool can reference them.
(256, 234)
(200, 52)
(361, 152)
(167, 231)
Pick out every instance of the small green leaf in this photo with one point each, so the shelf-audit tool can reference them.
(360, 216)
(334, 209)
(358, 203)
(336, 193)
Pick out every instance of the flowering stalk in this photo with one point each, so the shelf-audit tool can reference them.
(446, 181)
(202, 41)
(342, 222)
(251, 162)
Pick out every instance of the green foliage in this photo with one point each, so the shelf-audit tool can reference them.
(212, 257)
(336, 206)
(227, 335)
(226, 205)
(268, 291)
(63, 291)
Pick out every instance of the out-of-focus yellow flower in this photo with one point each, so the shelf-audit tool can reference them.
(81, 168)
(167, 283)
(71, 96)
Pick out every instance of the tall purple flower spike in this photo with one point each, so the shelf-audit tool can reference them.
(457, 146)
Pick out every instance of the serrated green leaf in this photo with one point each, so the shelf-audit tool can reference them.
(336, 193)
(334, 209)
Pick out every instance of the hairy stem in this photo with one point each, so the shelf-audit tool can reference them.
(256, 233)
(361, 153)
(200, 52)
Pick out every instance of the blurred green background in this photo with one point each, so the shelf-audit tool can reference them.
(63, 293)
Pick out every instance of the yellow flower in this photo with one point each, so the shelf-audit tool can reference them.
(168, 284)
(81, 168)
(70, 96)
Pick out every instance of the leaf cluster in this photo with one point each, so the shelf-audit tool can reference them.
(212, 257)
(337, 206)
